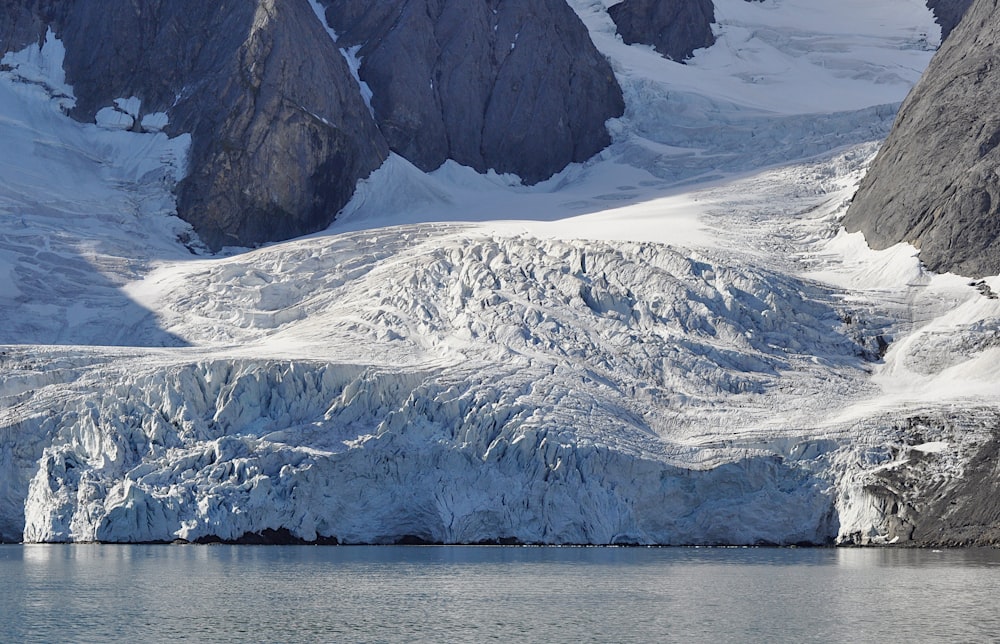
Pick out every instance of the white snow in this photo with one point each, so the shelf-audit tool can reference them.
(41, 68)
(934, 447)
(350, 55)
(83, 210)
(671, 343)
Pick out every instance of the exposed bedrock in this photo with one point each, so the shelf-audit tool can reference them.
(934, 183)
(936, 487)
(675, 28)
(965, 512)
(514, 86)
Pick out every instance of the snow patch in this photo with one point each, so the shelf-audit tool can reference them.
(41, 66)
(934, 447)
(127, 113)
(83, 209)
(350, 55)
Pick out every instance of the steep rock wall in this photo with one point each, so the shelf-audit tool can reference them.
(934, 183)
(280, 135)
(948, 13)
(280, 131)
(513, 86)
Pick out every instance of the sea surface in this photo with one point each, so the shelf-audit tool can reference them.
(99, 593)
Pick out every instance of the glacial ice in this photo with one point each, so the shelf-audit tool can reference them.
(637, 363)
(489, 372)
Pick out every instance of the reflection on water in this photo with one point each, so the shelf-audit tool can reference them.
(308, 593)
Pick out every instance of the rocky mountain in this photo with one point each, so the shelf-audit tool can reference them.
(934, 183)
(280, 134)
(280, 130)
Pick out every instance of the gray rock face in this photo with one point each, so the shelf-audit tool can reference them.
(516, 86)
(675, 28)
(966, 513)
(935, 182)
(948, 13)
(280, 134)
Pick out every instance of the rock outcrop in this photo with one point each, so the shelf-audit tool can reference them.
(280, 134)
(675, 28)
(966, 512)
(514, 86)
(945, 496)
(935, 183)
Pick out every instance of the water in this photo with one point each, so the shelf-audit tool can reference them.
(92, 593)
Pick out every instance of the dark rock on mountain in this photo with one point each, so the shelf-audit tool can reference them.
(280, 134)
(675, 28)
(516, 86)
(948, 13)
(935, 182)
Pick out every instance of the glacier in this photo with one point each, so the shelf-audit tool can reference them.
(673, 343)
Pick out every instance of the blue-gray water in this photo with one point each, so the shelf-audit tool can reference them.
(440, 594)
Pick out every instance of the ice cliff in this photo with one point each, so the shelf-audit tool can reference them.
(504, 389)
(672, 342)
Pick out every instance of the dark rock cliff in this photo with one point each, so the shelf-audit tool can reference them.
(675, 28)
(929, 501)
(948, 13)
(935, 182)
(516, 86)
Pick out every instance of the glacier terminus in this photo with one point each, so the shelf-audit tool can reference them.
(660, 336)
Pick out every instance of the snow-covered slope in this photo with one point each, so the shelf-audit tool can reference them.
(647, 348)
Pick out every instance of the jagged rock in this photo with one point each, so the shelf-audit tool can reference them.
(280, 133)
(516, 86)
(675, 28)
(934, 183)
(928, 502)
(948, 13)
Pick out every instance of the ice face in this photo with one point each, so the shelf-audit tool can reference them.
(602, 358)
